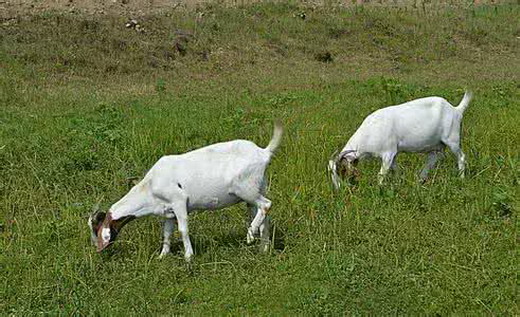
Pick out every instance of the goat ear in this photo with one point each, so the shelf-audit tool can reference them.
(97, 219)
(344, 155)
(94, 222)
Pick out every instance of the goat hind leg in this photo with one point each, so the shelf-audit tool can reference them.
(461, 158)
(265, 234)
(258, 206)
(264, 228)
(453, 142)
(432, 159)
(262, 206)
(393, 167)
(253, 210)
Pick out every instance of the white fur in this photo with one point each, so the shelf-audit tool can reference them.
(211, 177)
(93, 236)
(105, 234)
(422, 125)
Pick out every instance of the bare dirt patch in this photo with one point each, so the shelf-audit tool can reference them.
(14, 8)
(124, 7)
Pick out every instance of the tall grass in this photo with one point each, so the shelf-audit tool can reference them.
(89, 105)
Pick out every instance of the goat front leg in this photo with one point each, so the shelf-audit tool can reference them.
(387, 160)
(181, 213)
(167, 232)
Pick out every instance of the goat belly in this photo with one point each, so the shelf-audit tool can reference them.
(212, 203)
(215, 201)
(418, 145)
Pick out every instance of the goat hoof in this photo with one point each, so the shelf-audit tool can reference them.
(164, 251)
(250, 236)
(264, 247)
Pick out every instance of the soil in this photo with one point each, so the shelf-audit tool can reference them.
(14, 8)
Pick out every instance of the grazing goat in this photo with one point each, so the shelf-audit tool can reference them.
(212, 177)
(422, 125)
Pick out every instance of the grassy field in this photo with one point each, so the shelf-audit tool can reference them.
(88, 105)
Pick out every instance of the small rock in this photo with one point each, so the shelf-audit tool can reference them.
(139, 28)
(131, 23)
(300, 15)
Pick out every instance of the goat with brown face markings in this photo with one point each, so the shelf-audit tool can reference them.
(212, 177)
(423, 125)
(344, 168)
(105, 228)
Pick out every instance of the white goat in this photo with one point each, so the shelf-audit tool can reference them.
(422, 125)
(211, 177)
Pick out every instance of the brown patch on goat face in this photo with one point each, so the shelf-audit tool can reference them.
(96, 221)
(347, 170)
(108, 231)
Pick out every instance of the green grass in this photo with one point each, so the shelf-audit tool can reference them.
(87, 106)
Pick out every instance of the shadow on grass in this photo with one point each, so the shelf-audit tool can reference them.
(232, 239)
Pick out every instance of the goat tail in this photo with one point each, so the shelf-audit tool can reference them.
(277, 137)
(465, 102)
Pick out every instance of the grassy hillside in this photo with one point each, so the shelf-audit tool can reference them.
(88, 105)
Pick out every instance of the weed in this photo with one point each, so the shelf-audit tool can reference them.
(325, 57)
(160, 85)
